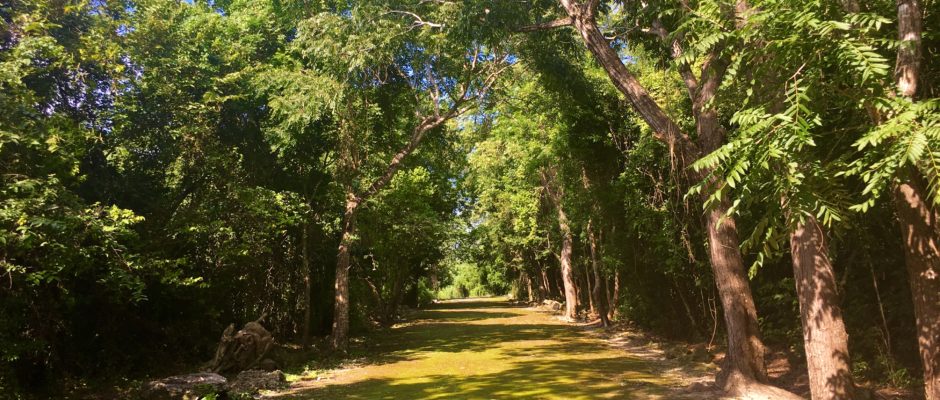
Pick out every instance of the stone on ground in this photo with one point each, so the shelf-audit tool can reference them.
(189, 386)
(253, 380)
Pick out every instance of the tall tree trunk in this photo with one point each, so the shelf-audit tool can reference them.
(529, 288)
(341, 301)
(745, 371)
(745, 348)
(693, 323)
(555, 195)
(305, 253)
(919, 231)
(353, 201)
(615, 297)
(394, 299)
(824, 337)
(916, 215)
(599, 293)
(571, 294)
(589, 287)
(547, 284)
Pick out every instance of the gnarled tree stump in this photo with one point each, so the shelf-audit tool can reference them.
(242, 350)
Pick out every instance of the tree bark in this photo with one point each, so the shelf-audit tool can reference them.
(571, 294)
(599, 293)
(745, 370)
(615, 297)
(745, 349)
(305, 238)
(340, 333)
(916, 215)
(589, 287)
(529, 288)
(567, 243)
(547, 284)
(919, 231)
(910, 31)
(353, 201)
(824, 337)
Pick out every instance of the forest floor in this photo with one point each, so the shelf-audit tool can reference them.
(490, 348)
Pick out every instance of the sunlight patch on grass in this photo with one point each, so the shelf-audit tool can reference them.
(486, 350)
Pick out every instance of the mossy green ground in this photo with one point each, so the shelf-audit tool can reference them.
(486, 349)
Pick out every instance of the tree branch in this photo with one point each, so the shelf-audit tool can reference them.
(691, 83)
(560, 22)
(418, 20)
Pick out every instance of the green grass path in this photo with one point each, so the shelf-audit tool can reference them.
(487, 349)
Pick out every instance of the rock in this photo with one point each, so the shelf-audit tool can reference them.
(185, 386)
(253, 380)
(552, 305)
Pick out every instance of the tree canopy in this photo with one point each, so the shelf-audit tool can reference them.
(756, 175)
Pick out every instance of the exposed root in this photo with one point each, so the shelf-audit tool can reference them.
(739, 387)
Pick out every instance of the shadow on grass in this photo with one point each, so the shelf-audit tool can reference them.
(477, 303)
(535, 379)
(463, 316)
(480, 350)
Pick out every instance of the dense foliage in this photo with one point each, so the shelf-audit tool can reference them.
(171, 167)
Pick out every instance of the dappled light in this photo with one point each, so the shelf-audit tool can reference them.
(484, 349)
(479, 199)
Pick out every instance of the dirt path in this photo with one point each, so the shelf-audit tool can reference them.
(489, 349)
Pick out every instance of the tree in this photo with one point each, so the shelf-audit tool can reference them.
(399, 79)
(746, 369)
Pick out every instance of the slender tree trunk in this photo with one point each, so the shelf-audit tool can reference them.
(615, 297)
(824, 337)
(919, 231)
(885, 329)
(745, 349)
(599, 293)
(340, 333)
(305, 253)
(435, 280)
(688, 310)
(745, 371)
(590, 288)
(916, 215)
(394, 299)
(529, 288)
(567, 242)
(571, 294)
(547, 284)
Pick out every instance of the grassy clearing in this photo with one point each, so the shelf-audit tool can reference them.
(485, 349)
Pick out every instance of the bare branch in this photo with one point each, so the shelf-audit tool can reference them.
(418, 20)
